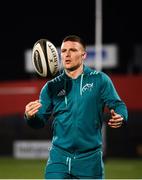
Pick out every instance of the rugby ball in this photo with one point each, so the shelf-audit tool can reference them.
(45, 58)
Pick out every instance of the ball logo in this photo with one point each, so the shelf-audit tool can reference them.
(53, 61)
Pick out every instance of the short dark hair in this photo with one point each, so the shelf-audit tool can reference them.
(75, 38)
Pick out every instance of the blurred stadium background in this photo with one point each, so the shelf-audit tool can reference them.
(23, 151)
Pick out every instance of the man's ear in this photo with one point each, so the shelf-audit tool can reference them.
(84, 55)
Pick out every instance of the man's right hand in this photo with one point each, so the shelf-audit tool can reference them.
(32, 108)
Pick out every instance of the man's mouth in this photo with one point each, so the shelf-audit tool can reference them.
(67, 61)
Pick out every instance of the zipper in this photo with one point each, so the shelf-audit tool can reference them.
(75, 93)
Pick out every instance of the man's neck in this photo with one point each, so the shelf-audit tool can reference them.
(75, 73)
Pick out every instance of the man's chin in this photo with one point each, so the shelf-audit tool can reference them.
(72, 68)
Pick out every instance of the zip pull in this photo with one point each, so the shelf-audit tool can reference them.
(68, 162)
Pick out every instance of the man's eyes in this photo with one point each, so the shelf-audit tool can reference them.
(73, 50)
(64, 50)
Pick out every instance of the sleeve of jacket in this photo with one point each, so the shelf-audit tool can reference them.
(45, 111)
(111, 98)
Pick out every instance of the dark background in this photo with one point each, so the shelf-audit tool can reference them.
(22, 23)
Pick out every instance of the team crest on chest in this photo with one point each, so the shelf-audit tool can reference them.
(87, 87)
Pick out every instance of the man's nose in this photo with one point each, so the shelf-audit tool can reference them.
(68, 53)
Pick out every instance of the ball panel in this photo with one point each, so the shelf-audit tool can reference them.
(53, 58)
(37, 61)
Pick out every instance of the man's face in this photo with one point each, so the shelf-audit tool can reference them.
(72, 55)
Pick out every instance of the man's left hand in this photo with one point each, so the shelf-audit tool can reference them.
(116, 120)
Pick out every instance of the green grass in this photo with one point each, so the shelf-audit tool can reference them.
(11, 168)
(123, 168)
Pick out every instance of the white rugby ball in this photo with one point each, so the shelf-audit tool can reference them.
(45, 58)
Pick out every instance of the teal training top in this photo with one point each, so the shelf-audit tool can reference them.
(77, 107)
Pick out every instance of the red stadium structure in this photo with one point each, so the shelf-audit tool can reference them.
(14, 95)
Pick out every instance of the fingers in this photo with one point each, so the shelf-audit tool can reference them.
(116, 120)
(115, 123)
(32, 108)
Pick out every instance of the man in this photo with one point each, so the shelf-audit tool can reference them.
(76, 100)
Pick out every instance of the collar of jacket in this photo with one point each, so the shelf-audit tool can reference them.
(86, 70)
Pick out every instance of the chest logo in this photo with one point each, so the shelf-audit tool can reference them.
(87, 87)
